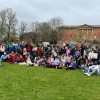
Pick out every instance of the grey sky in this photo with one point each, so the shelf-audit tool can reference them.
(73, 12)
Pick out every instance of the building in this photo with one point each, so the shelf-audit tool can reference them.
(79, 32)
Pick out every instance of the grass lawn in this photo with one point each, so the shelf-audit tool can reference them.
(20, 82)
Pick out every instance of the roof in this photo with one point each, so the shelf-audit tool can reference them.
(84, 25)
(96, 25)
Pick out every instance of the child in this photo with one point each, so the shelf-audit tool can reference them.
(68, 60)
(28, 60)
(73, 64)
(56, 63)
(49, 62)
(87, 64)
(36, 61)
(4, 57)
(63, 60)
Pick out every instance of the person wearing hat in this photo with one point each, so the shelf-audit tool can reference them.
(4, 57)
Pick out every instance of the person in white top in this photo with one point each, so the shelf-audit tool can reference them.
(92, 55)
(63, 60)
(94, 69)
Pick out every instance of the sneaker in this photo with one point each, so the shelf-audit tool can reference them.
(88, 74)
(15, 62)
(85, 73)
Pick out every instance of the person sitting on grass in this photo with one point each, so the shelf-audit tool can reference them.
(49, 62)
(81, 62)
(12, 57)
(68, 60)
(4, 57)
(72, 64)
(56, 63)
(39, 61)
(63, 60)
(94, 69)
(36, 61)
(43, 62)
(25, 60)
(19, 58)
(28, 59)
(87, 64)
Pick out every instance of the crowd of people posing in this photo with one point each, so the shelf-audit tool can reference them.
(86, 58)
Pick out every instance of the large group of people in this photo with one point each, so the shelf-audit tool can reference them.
(65, 55)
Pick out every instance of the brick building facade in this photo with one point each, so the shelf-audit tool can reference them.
(83, 32)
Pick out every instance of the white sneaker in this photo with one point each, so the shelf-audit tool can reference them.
(85, 73)
(88, 74)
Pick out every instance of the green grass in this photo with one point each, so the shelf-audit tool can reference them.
(19, 82)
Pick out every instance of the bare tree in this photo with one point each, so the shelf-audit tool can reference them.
(2, 23)
(22, 29)
(44, 30)
(33, 28)
(55, 23)
(10, 22)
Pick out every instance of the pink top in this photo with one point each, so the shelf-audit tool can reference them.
(67, 51)
(49, 61)
(68, 59)
(35, 49)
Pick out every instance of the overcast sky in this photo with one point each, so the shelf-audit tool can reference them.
(73, 12)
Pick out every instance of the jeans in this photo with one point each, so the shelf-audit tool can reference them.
(92, 70)
(87, 70)
(1, 64)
